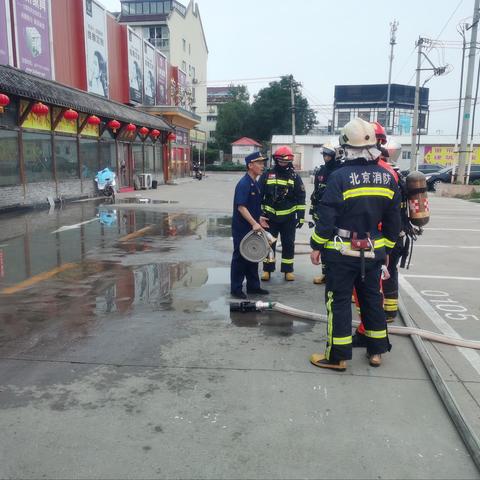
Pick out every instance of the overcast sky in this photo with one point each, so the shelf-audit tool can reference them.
(324, 43)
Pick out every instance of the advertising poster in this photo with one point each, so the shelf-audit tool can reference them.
(182, 88)
(38, 122)
(149, 84)
(446, 155)
(96, 48)
(135, 66)
(32, 33)
(5, 34)
(88, 130)
(162, 84)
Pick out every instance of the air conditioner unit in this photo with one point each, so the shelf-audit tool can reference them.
(145, 181)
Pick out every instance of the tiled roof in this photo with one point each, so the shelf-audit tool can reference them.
(246, 141)
(17, 82)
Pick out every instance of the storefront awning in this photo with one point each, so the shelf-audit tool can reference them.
(17, 82)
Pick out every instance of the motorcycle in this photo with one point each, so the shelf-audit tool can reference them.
(106, 182)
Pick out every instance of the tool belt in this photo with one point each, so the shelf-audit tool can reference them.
(359, 247)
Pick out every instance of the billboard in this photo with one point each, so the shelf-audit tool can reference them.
(446, 155)
(162, 78)
(135, 66)
(96, 48)
(5, 34)
(149, 83)
(33, 37)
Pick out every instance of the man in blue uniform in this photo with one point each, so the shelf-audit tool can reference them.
(246, 217)
(358, 198)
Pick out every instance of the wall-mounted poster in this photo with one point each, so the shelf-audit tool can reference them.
(182, 88)
(5, 34)
(149, 84)
(96, 48)
(162, 76)
(135, 66)
(33, 37)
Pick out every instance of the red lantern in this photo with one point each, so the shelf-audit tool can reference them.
(144, 131)
(40, 109)
(4, 101)
(155, 133)
(171, 137)
(93, 120)
(70, 114)
(114, 125)
(131, 127)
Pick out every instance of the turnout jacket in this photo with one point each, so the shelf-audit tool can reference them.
(320, 177)
(283, 195)
(360, 197)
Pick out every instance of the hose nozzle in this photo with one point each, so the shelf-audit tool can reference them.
(250, 306)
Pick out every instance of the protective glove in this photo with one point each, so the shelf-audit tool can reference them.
(300, 222)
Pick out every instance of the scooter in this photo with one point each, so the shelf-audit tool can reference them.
(106, 182)
(198, 174)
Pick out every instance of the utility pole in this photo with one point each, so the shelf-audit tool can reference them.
(292, 96)
(393, 41)
(462, 159)
(413, 152)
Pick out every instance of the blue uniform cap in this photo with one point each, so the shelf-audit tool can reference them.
(254, 157)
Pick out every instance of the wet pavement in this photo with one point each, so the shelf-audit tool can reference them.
(119, 358)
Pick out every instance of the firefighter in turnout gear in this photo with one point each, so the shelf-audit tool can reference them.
(390, 151)
(283, 203)
(321, 174)
(358, 198)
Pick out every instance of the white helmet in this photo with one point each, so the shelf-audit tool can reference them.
(328, 149)
(358, 134)
(394, 149)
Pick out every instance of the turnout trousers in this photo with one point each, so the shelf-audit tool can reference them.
(241, 269)
(286, 230)
(341, 278)
(390, 286)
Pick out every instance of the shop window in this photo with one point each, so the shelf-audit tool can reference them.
(37, 156)
(365, 115)
(66, 157)
(159, 158)
(108, 156)
(89, 157)
(9, 168)
(137, 150)
(149, 167)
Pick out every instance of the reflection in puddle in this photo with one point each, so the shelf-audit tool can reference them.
(135, 200)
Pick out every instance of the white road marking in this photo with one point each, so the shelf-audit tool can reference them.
(446, 246)
(470, 355)
(454, 229)
(443, 277)
(77, 225)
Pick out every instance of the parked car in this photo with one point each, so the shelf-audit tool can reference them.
(426, 168)
(445, 176)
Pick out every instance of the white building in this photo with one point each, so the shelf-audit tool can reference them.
(243, 147)
(177, 31)
(439, 149)
(216, 96)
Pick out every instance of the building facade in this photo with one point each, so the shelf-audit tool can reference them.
(243, 147)
(370, 103)
(216, 96)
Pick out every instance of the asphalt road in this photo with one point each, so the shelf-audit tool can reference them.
(119, 357)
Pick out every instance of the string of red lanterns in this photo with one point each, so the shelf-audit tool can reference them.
(144, 131)
(93, 120)
(155, 133)
(114, 125)
(131, 127)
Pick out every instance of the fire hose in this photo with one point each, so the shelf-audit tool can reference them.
(259, 306)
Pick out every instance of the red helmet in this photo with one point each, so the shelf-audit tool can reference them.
(283, 153)
(380, 133)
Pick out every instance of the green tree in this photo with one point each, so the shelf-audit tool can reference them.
(272, 113)
(233, 117)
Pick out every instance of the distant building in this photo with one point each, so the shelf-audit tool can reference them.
(216, 96)
(370, 102)
(177, 31)
(243, 147)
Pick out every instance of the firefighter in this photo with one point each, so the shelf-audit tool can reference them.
(283, 203)
(390, 277)
(321, 174)
(358, 197)
(246, 217)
